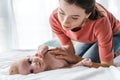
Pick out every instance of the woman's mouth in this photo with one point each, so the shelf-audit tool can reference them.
(76, 29)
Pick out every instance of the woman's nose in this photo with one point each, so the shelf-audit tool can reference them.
(66, 21)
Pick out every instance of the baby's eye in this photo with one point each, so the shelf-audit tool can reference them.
(31, 71)
(29, 61)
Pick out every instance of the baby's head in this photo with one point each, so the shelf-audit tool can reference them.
(30, 64)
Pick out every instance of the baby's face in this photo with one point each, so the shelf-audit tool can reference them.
(31, 64)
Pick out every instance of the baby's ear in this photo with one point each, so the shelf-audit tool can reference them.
(13, 69)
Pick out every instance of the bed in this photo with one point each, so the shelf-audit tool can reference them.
(76, 73)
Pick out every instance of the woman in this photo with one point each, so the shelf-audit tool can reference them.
(95, 29)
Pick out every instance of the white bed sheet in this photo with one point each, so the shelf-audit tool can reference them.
(77, 73)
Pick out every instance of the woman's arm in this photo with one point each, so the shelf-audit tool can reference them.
(88, 63)
(67, 53)
(103, 64)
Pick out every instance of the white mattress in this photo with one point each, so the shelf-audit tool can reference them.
(77, 73)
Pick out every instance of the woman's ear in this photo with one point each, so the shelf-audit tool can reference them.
(88, 15)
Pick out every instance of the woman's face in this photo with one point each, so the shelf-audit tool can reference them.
(31, 64)
(71, 16)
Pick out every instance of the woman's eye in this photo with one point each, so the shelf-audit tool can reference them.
(74, 18)
(29, 61)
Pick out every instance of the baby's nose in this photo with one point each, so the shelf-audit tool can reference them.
(37, 60)
(37, 63)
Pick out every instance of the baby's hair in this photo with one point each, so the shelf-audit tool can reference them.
(13, 69)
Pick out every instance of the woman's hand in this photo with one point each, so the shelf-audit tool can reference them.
(85, 62)
(63, 53)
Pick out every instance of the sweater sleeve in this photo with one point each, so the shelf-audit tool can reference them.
(103, 32)
(115, 23)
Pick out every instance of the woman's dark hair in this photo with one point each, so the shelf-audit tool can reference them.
(88, 5)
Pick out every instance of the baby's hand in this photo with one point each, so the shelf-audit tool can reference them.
(85, 62)
(41, 51)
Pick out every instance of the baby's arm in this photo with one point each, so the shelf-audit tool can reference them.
(85, 62)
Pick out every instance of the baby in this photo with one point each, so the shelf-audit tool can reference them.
(36, 64)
